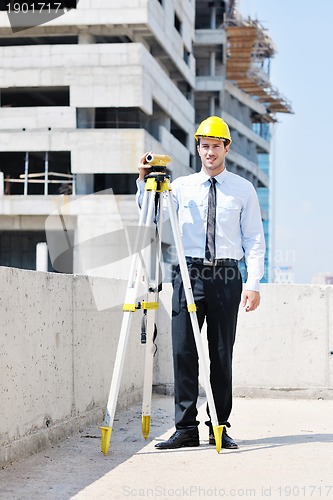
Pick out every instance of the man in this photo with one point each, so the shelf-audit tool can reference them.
(220, 222)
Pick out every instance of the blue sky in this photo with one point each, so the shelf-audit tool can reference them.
(302, 70)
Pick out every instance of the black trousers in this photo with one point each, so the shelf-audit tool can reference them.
(217, 293)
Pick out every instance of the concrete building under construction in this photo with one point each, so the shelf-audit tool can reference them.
(84, 95)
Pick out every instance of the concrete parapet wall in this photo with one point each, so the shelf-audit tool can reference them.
(57, 352)
(59, 117)
(56, 357)
(286, 346)
(283, 348)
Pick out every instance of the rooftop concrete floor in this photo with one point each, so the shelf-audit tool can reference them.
(286, 450)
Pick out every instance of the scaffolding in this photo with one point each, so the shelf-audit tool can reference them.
(249, 48)
(66, 181)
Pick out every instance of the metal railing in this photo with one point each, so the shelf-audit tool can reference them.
(41, 178)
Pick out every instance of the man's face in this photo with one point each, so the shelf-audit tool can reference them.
(212, 153)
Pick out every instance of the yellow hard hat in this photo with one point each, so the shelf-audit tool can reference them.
(213, 127)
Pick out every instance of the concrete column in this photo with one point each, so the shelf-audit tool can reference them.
(84, 183)
(212, 106)
(41, 257)
(86, 38)
(1, 184)
(212, 64)
(157, 120)
(212, 16)
(86, 118)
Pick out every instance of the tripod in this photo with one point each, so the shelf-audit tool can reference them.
(157, 191)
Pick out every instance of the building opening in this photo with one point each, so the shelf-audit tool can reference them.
(24, 97)
(14, 165)
(18, 249)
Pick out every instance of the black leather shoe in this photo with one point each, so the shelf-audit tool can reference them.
(227, 441)
(180, 439)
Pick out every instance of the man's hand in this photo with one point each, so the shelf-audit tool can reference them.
(250, 300)
(143, 168)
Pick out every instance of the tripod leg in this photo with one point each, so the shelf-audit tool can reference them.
(218, 429)
(152, 303)
(128, 308)
(148, 372)
(106, 428)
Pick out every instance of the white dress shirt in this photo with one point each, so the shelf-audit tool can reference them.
(239, 228)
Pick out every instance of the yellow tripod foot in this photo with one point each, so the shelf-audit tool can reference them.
(105, 439)
(218, 431)
(145, 426)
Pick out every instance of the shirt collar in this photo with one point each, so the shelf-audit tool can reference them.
(220, 177)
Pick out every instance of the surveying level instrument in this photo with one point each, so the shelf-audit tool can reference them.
(157, 183)
(158, 160)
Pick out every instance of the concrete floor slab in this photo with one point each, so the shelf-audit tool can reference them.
(286, 450)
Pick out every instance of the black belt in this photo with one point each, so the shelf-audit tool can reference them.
(215, 262)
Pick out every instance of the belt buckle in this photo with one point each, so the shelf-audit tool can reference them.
(207, 262)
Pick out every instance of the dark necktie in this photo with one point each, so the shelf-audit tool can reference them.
(211, 221)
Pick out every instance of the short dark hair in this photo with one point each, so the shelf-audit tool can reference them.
(225, 141)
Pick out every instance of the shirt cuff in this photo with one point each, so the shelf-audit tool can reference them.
(252, 284)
